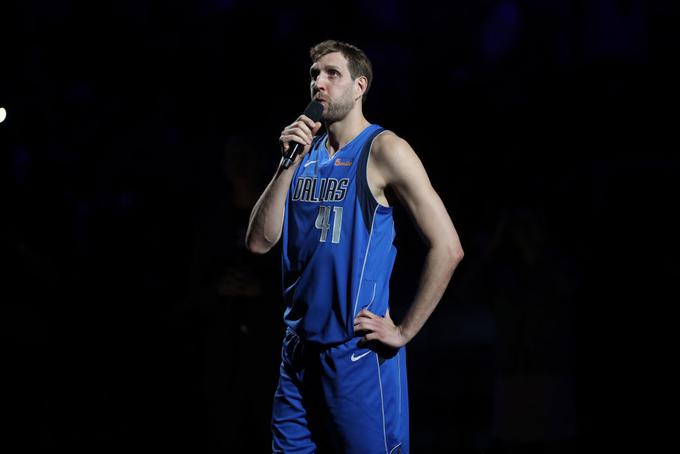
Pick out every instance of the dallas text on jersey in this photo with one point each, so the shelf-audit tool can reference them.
(330, 189)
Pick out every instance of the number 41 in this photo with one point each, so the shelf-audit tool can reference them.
(323, 223)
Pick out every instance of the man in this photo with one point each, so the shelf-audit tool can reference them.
(342, 383)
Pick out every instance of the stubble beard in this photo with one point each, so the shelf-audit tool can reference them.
(338, 110)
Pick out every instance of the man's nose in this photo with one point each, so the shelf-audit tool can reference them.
(319, 82)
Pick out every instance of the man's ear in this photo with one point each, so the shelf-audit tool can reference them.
(360, 84)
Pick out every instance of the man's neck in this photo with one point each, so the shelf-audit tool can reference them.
(340, 133)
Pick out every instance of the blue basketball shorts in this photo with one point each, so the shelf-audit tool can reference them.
(342, 398)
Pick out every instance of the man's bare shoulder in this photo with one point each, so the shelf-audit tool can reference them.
(389, 146)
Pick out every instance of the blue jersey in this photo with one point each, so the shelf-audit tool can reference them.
(337, 241)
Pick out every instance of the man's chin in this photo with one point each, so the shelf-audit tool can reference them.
(332, 117)
(328, 119)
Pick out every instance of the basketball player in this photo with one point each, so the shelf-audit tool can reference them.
(342, 385)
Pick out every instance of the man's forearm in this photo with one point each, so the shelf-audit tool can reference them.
(440, 263)
(266, 218)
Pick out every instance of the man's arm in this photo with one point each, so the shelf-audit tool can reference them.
(266, 219)
(393, 163)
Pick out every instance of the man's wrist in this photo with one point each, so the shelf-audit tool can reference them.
(404, 335)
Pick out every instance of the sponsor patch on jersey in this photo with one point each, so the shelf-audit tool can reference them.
(340, 162)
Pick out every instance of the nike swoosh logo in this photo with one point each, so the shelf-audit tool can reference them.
(357, 358)
(310, 163)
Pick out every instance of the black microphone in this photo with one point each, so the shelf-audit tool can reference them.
(313, 111)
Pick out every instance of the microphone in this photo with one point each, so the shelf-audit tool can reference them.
(313, 111)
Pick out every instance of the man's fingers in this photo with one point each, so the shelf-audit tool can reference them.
(366, 324)
(296, 133)
(299, 129)
(366, 313)
(308, 122)
(368, 327)
(306, 125)
(288, 140)
(371, 336)
(367, 318)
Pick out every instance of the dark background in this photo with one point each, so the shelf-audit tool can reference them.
(140, 133)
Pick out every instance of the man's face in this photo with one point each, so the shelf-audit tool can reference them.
(332, 85)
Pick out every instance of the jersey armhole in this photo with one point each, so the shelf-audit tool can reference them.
(367, 200)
